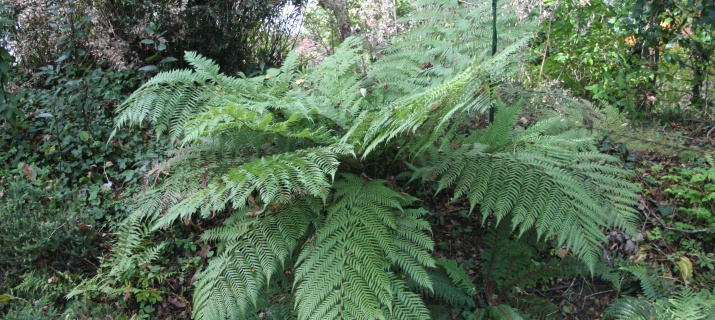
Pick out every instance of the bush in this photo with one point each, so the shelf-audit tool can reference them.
(43, 230)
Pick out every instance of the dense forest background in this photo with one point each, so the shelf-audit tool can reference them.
(395, 159)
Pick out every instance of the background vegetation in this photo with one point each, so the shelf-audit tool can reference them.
(588, 190)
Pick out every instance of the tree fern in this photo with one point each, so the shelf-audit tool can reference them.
(275, 158)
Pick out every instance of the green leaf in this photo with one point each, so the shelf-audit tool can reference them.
(168, 59)
(665, 210)
(148, 68)
(84, 136)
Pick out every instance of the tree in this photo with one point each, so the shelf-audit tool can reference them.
(339, 9)
(239, 35)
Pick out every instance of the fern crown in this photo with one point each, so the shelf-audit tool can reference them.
(280, 157)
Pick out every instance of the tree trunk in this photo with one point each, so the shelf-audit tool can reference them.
(339, 8)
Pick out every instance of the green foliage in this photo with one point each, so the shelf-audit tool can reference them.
(651, 287)
(342, 274)
(687, 304)
(511, 271)
(659, 298)
(46, 239)
(46, 309)
(281, 161)
(65, 130)
(148, 34)
(262, 243)
(693, 192)
(644, 57)
(496, 168)
(508, 265)
(64, 182)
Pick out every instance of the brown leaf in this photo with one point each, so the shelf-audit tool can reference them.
(203, 253)
(426, 65)
(28, 171)
(562, 252)
(365, 178)
(177, 302)
(127, 293)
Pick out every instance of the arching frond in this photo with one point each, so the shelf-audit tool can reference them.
(254, 248)
(277, 179)
(346, 271)
(546, 177)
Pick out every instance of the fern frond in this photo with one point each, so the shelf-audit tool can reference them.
(501, 312)
(535, 307)
(650, 285)
(548, 183)
(232, 119)
(458, 275)
(232, 287)
(446, 291)
(631, 308)
(344, 272)
(278, 178)
(129, 251)
(171, 98)
(686, 304)
(689, 304)
(255, 248)
(406, 304)
(431, 109)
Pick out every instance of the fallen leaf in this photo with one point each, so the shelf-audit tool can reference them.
(176, 302)
(203, 253)
(365, 178)
(28, 171)
(686, 269)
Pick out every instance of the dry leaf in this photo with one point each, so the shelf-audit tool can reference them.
(28, 171)
(365, 179)
(204, 252)
(686, 269)
(562, 252)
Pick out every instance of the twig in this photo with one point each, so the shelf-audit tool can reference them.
(546, 49)
(563, 287)
(692, 231)
(53, 231)
(90, 262)
(597, 293)
(623, 135)
(686, 230)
